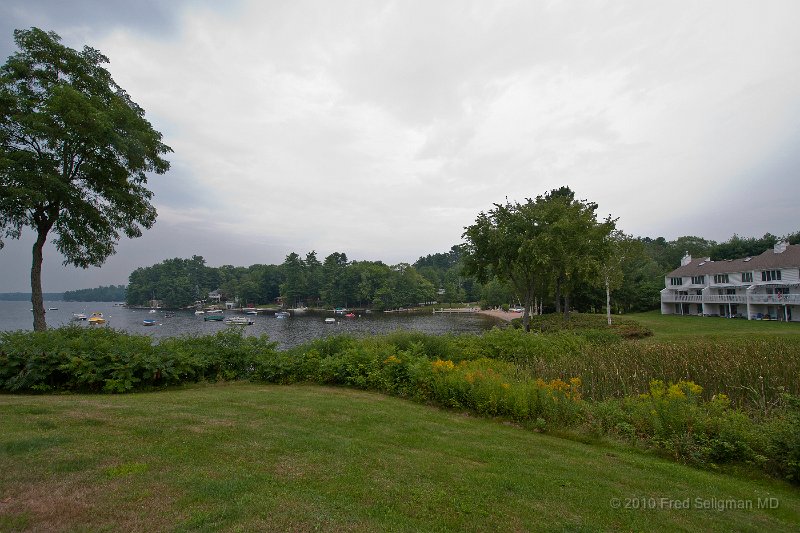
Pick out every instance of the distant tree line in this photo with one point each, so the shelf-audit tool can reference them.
(112, 293)
(441, 277)
(26, 296)
(333, 282)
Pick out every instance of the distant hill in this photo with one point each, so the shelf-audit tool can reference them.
(26, 296)
(112, 293)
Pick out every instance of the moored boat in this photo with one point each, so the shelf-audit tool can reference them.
(240, 321)
(79, 316)
(148, 322)
(282, 314)
(96, 319)
(330, 320)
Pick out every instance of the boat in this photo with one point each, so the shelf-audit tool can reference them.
(96, 319)
(169, 315)
(199, 312)
(52, 308)
(213, 317)
(240, 321)
(350, 315)
(330, 320)
(251, 312)
(79, 316)
(148, 322)
(340, 310)
(152, 311)
(282, 314)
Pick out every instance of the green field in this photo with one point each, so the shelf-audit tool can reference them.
(239, 455)
(300, 458)
(678, 328)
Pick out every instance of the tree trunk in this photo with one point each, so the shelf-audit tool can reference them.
(37, 301)
(558, 295)
(608, 302)
(566, 306)
(526, 314)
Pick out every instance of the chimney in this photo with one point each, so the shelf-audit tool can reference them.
(686, 259)
(781, 246)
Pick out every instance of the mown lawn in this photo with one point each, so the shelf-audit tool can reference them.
(297, 458)
(681, 328)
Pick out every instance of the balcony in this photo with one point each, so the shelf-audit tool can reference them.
(792, 299)
(725, 299)
(682, 298)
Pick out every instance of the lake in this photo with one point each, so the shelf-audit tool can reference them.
(287, 332)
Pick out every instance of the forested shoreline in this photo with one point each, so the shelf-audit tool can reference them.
(336, 281)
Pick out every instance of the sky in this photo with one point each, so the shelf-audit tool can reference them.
(382, 128)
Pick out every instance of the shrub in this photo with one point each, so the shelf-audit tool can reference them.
(106, 360)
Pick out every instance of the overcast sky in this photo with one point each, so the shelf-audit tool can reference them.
(381, 129)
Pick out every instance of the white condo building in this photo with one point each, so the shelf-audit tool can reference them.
(766, 286)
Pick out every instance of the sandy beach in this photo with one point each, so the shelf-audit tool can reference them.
(503, 315)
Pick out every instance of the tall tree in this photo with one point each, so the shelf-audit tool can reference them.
(554, 238)
(505, 243)
(74, 153)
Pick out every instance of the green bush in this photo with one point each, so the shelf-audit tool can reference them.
(106, 360)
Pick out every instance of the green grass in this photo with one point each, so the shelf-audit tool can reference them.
(258, 457)
(668, 328)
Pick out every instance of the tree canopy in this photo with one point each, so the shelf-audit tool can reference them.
(75, 151)
(551, 244)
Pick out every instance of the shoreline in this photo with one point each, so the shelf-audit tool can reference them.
(507, 316)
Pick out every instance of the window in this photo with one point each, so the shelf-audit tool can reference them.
(747, 277)
(721, 278)
(698, 280)
(771, 275)
(676, 281)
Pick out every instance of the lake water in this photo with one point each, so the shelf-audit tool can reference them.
(287, 332)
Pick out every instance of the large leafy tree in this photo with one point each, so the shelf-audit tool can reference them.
(505, 243)
(554, 240)
(75, 151)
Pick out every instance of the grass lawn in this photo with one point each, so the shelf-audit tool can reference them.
(298, 458)
(681, 328)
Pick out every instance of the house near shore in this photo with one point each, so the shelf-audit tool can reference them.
(764, 287)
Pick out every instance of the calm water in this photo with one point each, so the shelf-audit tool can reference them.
(286, 332)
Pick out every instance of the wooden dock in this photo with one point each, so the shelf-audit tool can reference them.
(456, 310)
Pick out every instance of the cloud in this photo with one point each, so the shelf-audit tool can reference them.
(381, 129)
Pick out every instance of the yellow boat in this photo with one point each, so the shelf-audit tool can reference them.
(96, 319)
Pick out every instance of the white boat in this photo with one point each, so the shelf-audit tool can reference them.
(152, 311)
(251, 312)
(282, 314)
(199, 312)
(240, 321)
(330, 320)
(79, 316)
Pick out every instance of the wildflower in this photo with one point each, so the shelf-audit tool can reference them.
(442, 366)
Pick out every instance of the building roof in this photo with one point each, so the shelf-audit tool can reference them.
(769, 260)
